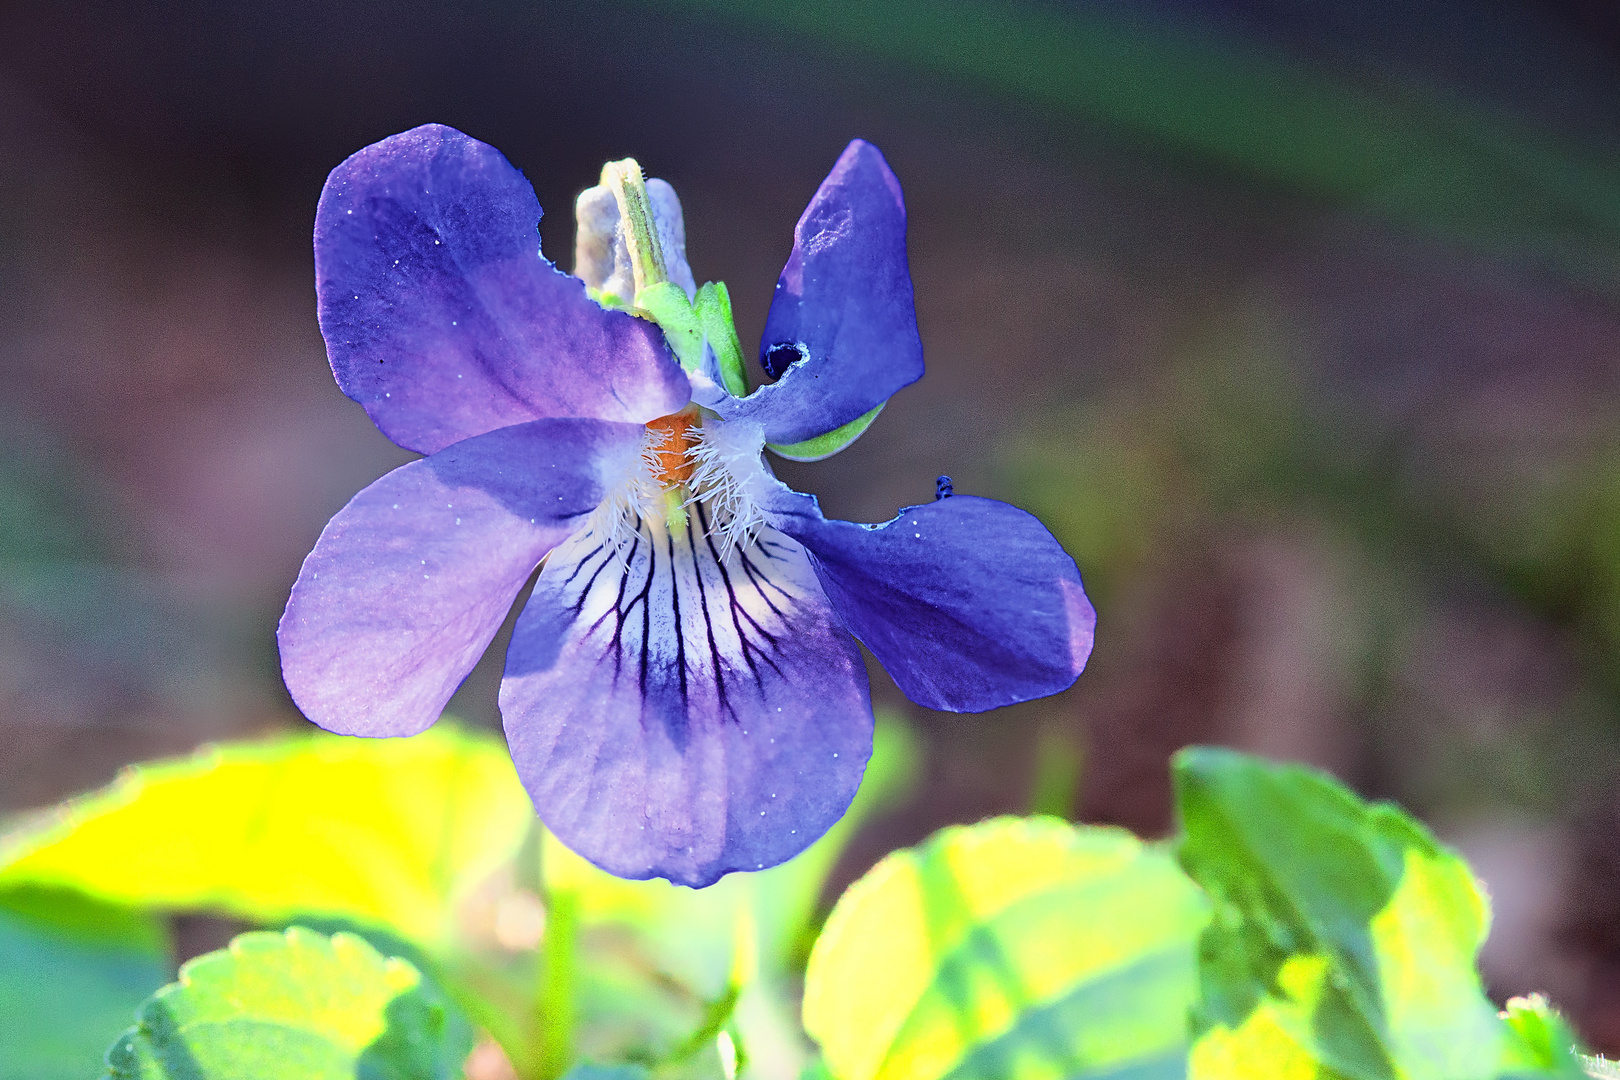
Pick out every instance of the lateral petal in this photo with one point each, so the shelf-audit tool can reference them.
(679, 714)
(442, 318)
(409, 582)
(969, 603)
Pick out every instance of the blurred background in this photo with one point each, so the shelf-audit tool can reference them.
(1297, 322)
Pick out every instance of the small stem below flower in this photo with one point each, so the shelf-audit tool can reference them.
(554, 999)
(640, 231)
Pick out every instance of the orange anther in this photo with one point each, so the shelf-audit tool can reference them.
(676, 436)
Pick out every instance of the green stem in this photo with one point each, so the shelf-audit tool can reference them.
(554, 998)
(716, 1015)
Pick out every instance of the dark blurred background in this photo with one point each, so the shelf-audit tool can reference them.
(1298, 322)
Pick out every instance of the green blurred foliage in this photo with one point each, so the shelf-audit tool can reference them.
(1403, 150)
(48, 510)
(412, 846)
(1012, 948)
(589, 1071)
(1343, 940)
(72, 972)
(298, 1005)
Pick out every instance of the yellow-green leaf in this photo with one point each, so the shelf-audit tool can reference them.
(389, 832)
(1015, 948)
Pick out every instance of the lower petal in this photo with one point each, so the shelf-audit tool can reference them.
(680, 711)
(969, 603)
(410, 581)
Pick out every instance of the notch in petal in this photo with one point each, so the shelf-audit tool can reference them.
(442, 318)
(969, 603)
(410, 581)
(683, 713)
(842, 329)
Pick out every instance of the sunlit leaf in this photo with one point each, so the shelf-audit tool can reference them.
(295, 1005)
(386, 831)
(1344, 937)
(72, 972)
(1009, 949)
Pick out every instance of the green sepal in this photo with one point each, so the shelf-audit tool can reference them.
(714, 312)
(825, 446)
(611, 301)
(666, 304)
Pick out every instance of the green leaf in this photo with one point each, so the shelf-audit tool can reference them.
(72, 972)
(1012, 948)
(389, 832)
(1344, 936)
(298, 1005)
(714, 310)
(666, 304)
(825, 446)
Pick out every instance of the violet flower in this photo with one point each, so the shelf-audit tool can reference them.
(682, 696)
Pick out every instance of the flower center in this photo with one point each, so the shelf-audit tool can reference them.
(694, 472)
(670, 442)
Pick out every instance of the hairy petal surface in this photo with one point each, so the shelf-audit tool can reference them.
(409, 582)
(968, 603)
(844, 301)
(675, 713)
(442, 318)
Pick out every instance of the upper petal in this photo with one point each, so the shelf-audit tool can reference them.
(968, 603)
(683, 712)
(844, 302)
(409, 582)
(442, 318)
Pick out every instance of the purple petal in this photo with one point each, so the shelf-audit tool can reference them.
(843, 304)
(409, 582)
(677, 715)
(441, 316)
(968, 603)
